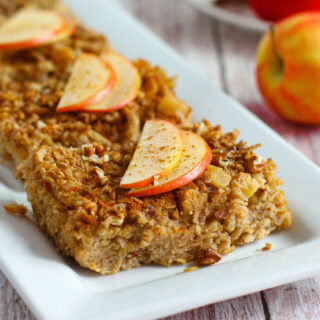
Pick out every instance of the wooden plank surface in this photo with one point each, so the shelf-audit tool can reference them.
(11, 305)
(226, 55)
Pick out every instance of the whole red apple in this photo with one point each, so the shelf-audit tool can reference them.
(277, 9)
(288, 68)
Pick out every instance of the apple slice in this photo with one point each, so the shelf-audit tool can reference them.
(29, 28)
(158, 151)
(91, 80)
(126, 88)
(66, 32)
(196, 156)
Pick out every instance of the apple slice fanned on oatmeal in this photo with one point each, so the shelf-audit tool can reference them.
(34, 82)
(77, 200)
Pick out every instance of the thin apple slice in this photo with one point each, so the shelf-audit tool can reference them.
(126, 88)
(157, 153)
(29, 28)
(66, 32)
(196, 156)
(91, 80)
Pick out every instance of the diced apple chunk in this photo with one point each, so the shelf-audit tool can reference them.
(171, 106)
(158, 151)
(250, 188)
(30, 27)
(218, 177)
(196, 156)
(244, 186)
(91, 80)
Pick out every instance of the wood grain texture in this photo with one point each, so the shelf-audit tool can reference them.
(183, 28)
(226, 56)
(299, 300)
(11, 305)
(245, 308)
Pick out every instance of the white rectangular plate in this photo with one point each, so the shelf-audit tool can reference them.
(56, 289)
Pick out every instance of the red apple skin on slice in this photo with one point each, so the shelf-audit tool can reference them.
(127, 86)
(65, 33)
(30, 28)
(158, 152)
(196, 156)
(91, 80)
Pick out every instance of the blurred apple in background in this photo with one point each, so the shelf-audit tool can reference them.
(273, 10)
(288, 68)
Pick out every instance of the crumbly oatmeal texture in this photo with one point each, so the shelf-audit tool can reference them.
(72, 164)
(91, 219)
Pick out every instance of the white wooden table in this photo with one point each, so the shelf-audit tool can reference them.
(226, 55)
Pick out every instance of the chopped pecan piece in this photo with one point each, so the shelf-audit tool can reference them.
(266, 247)
(255, 164)
(207, 257)
(87, 150)
(221, 214)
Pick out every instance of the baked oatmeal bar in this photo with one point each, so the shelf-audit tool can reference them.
(72, 163)
(32, 82)
(77, 202)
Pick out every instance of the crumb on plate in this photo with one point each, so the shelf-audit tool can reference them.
(193, 268)
(266, 247)
(15, 209)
